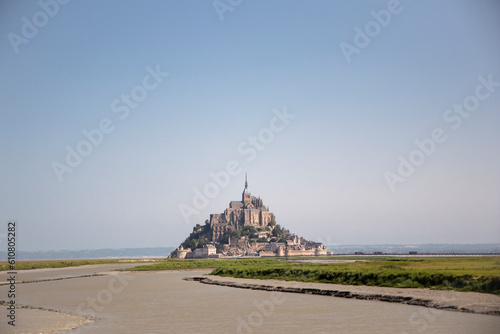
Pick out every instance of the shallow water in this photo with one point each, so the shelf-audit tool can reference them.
(164, 303)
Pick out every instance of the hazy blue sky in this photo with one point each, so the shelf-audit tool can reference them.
(358, 94)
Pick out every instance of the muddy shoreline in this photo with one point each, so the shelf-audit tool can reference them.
(468, 302)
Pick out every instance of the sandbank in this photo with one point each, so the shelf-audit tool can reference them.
(471, 302)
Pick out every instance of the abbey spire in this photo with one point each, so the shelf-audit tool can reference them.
(246, 196)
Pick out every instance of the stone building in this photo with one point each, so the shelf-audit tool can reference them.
(250, 211)
(180, 253)
(208, 251)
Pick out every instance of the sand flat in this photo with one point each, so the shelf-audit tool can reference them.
(35, 321)
(163, 302)
(66, 272)
(478, 302)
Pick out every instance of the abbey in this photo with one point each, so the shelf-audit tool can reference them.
(245, 228)
(250, 211)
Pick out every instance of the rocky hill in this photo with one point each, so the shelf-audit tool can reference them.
(246, 227)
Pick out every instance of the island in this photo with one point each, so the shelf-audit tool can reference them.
(245, 228)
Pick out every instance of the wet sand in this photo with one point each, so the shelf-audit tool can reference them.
(163, 302)
(472, 302)
(43, 319)
(67, 272)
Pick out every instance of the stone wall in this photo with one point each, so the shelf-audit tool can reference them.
(308, 252)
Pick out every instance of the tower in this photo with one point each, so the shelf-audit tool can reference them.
(246, 197)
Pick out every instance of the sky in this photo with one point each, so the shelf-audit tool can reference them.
(125, 123)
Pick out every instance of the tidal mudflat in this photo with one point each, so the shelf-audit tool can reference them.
(92, 299)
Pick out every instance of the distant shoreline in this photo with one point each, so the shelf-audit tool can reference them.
(454, 249)
(64, 263)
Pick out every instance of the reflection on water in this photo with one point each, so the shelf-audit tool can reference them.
(164, 303)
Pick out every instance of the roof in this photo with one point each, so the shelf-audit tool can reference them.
(235, 204)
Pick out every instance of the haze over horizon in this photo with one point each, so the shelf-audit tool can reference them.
(125, 123)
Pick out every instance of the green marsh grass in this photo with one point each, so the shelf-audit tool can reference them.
(479, 274)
